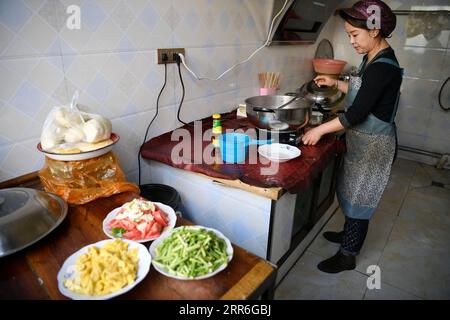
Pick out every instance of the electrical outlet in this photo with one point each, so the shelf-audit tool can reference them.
(169, 52)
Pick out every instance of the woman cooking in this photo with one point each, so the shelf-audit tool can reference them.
(372, 99)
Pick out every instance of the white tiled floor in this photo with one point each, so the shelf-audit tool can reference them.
(408, 238)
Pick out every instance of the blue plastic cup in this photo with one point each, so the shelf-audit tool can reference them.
(234, 146)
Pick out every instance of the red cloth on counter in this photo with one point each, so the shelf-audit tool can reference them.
(294, 175)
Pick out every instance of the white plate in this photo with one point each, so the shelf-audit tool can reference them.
(80, 155)
(163, 207)
(160, 269)
(67, 271)
(279, 152)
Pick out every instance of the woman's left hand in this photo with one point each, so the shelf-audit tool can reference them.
(312, 136)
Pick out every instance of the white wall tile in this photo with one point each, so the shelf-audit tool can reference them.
(113, 69)
(5, 38)
(18, 47)
(107, 36)
(290, 62)
(216, 23)
(439, 124)
(413, 120)
(75, 39)
(14, 14)
(9, 81)
(419, 93)
(164, 122)
(80, 72)
(411, 140)
(445, 72)
(34, 5)
(4, 150)
(4, 175)
(46, 76)
(40, 35)
(159, 37)
(20, 160)
(28, 99)
(207, 62)
(52, 11)
(408, 32)
(439, 145)
(416, 61)
(206, 106)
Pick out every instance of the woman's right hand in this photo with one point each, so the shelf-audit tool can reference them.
(325, 81)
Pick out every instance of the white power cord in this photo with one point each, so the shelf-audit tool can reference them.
(251, 56)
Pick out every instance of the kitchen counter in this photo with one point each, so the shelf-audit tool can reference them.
(293, 176)
(31, 273)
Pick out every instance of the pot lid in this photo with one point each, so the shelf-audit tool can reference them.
(26, 216)
(325, 96)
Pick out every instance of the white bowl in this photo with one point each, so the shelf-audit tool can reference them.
(163, 207)
(80, 155)
(68, 271)
(279, 152)
(162, 270)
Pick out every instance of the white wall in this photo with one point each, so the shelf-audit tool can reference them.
(112, 61)
(422, 124)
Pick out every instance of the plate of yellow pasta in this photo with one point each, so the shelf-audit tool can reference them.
(104, 269)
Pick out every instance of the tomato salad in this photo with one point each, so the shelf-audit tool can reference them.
(138, 219)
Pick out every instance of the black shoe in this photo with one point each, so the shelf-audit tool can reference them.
(335, 237)
(337, 263)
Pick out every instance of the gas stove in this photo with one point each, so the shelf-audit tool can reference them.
(291, 137)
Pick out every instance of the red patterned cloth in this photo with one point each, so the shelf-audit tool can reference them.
(293, 176)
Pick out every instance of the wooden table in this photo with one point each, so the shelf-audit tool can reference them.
(31, 273)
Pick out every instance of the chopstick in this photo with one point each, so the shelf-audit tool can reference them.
(269, 79)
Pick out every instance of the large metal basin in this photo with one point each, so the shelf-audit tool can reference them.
(296, 115)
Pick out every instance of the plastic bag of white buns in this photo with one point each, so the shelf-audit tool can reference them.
(67, 130)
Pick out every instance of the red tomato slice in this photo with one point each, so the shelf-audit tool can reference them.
(113, 223)
(160, 217)
(132, 235)
(117, 224)
(155, 230)
(147, 229)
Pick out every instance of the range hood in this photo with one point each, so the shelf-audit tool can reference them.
(301, 21)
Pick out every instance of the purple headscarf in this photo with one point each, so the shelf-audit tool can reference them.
(387, 19)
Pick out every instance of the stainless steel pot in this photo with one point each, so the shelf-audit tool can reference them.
(263, 112)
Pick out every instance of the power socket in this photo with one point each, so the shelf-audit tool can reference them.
(169, 52)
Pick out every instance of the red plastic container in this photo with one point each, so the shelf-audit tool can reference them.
(328, 66)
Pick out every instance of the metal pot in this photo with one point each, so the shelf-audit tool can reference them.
(263, 112)
(323, 97)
